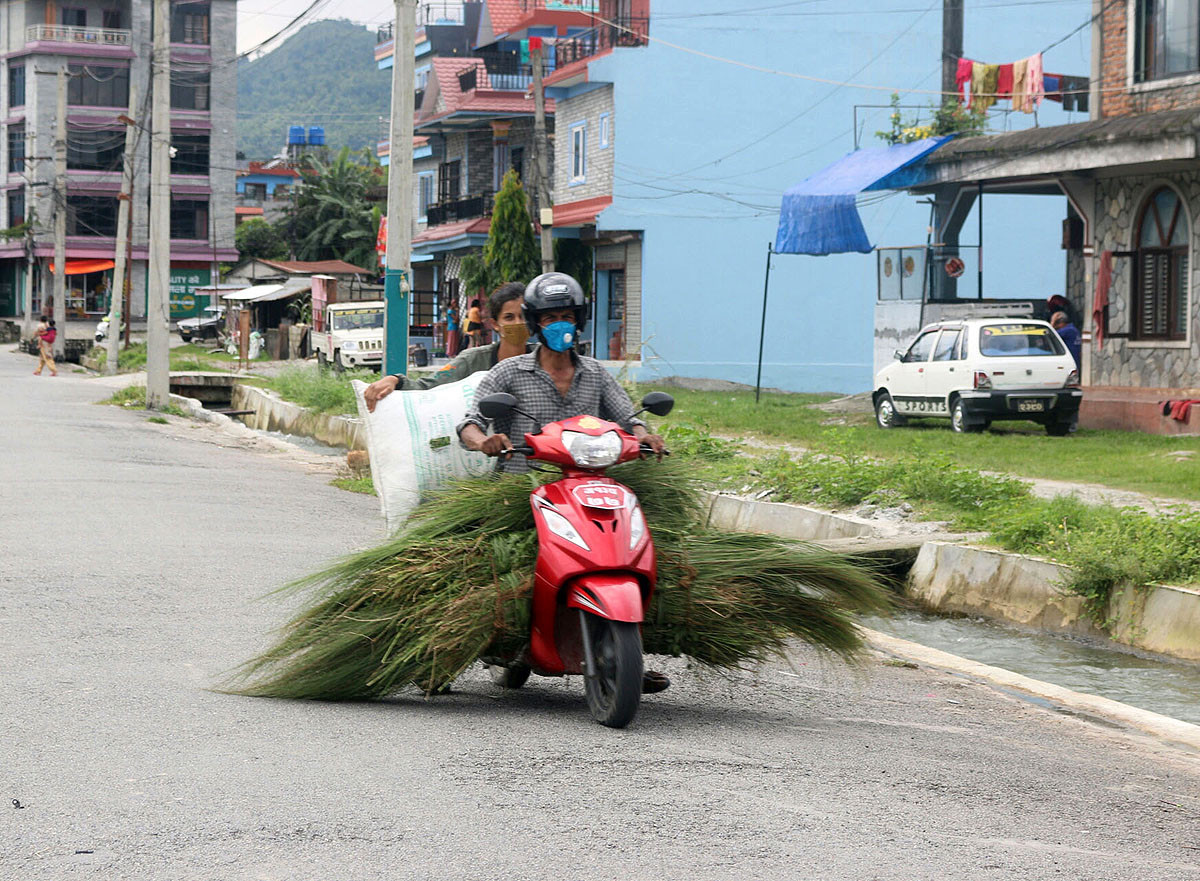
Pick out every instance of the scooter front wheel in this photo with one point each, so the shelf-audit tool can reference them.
(614, 693)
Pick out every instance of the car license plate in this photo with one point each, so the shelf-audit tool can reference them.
(1031, 405)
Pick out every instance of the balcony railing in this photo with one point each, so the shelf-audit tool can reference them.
(622, 32)
(430, 12)
(506, 72)
(56, 33)
(460, 209)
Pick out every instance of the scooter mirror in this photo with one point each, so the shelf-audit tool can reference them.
(498, 406)
(658, 403)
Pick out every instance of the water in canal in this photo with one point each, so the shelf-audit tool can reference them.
(1149, 682)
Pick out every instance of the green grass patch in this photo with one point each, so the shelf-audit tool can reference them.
(325, 391)
(189, 357)
(355, 484)
(1127, 460)
(134, 397)
(157, 420)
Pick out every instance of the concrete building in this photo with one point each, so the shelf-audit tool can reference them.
(265, 189)
(106, 47)
(1132, 186)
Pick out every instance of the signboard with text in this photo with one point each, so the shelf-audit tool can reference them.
(589, 6)
(185, 303)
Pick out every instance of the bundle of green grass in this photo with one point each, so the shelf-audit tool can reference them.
(455, 584)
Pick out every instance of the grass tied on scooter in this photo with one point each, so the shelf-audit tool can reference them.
(455, 584)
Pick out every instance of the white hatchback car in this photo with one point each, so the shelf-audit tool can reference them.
(976, 371)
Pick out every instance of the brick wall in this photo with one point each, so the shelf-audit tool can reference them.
(1119, 95)
(586, 108)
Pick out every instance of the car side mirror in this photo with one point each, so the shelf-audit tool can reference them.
(497, 406)
(898, 355)
(658, 403)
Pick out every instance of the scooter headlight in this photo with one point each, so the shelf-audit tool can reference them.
(563, 528)
(637, 527)
(593, 451)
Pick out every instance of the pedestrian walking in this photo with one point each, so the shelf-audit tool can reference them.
(46, 334)
(474, 326)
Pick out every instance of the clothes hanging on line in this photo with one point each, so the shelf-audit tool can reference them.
(1074, 92)
(1004, 81)
(1100, 299)
(1034, 87)
(983, 85)
(962, 77)
(1020, 71)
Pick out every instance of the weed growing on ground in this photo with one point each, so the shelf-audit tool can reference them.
(134, 397)
(322, 390)
(355, 485)
(157, 420)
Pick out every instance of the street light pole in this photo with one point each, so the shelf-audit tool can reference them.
(397, 284)
(158, 279)
(121, 268)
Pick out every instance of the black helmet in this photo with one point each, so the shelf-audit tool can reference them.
(552, 290)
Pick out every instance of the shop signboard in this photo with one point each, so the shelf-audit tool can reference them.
(589, 6)
(185, 302)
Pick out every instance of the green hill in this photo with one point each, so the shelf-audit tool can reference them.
(324, 74)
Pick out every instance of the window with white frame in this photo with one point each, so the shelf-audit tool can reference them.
(578, 153)
(605, 122)
(424, 194)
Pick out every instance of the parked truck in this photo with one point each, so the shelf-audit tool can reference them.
(352, 336)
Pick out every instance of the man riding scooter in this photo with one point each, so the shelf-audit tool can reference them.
(551, 383)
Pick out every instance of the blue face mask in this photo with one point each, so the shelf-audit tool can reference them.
(559, 336)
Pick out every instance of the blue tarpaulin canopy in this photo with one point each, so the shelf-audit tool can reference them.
(819, 216)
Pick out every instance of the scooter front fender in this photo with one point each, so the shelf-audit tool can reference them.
(615, 597)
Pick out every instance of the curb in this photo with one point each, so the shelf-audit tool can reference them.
(1156, 724)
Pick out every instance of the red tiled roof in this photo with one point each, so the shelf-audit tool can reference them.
(511, 16)
(324, 267)
(505, 15)
(257, 168)
(581, 213)
(454, 230)
(447, 71)
(574, 69)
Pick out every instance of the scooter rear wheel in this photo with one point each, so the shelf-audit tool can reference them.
(615, 693)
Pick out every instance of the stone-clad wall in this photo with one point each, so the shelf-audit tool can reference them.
(1124, 362)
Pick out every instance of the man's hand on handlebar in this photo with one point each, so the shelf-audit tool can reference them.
(473, 438)
(656, 444)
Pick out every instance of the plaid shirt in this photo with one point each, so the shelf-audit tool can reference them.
(593, 392)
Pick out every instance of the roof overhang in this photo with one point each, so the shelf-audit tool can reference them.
(1025, 160)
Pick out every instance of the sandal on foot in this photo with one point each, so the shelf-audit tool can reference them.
(654, 682)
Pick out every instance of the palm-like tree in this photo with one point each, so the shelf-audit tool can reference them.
(333, 218)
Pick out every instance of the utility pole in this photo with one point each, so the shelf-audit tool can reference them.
(60, 214)
(952, 44)
(542, 146)
(116, 309)
(396, 282)
(158, 281)
(30, 262)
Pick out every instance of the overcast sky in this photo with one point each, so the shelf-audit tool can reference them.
(259, 19)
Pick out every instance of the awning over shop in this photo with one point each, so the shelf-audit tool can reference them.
(83, 267)
(820, 215)
(256, 292)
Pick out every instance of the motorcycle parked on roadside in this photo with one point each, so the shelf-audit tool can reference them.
(595, 569)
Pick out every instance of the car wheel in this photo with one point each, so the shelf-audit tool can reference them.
(322, 361)
(338, 365)
(885, 412)
(958, 419)
(1058, 429)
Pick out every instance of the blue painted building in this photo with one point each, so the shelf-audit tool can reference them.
(680, 124)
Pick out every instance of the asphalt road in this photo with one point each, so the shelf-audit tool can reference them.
(132, 557)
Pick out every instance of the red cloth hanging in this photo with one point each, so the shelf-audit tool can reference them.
(962, 75)
(1004, 82)
(1100, 300)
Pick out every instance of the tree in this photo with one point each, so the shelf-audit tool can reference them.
(511, 251)
(332, 217)
(256, 239)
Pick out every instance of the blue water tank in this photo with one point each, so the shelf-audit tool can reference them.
(295, 134)
(316, 135)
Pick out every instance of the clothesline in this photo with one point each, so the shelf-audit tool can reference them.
(1024, 82)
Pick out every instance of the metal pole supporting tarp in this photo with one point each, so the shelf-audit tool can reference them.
(762, 330)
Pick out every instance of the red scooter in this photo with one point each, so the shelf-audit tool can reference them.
(595, 566)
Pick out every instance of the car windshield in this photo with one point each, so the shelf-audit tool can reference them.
(1018, 340)
(358, 319)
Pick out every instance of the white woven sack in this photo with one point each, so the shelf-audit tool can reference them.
(413, 446)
